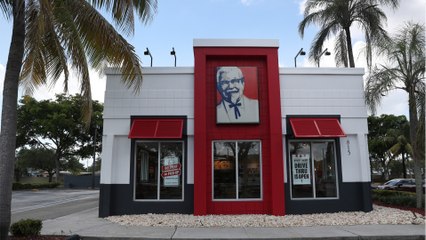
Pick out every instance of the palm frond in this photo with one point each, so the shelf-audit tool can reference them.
(122, 11)
(390, 3)
(344, 13)
(320, 38)
(103, 43)
(6, 8)
(75, 49)
(379, 83)
(33, 71)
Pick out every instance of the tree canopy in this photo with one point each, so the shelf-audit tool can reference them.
(404, 69)
(58, 126)
(48, 37)
(386, 143)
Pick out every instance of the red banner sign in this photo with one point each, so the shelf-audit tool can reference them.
(171, 167)
(171, 173)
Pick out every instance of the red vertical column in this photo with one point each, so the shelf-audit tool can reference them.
(200, 137)
(277, 175)
(269, 129)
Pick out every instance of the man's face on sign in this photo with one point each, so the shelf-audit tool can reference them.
(230, 83)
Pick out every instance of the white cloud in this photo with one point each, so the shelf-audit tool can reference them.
(2, 72)
(412, 10)
(97, 85)
(302, 4)
(247, 2)
(396, 103)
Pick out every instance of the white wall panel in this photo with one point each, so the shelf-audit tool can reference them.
(190, 160)
(121, 160)
(284, 159)
(354, 125)
(106, 155)
(351, 164)
(322, 91)
(118, 126)
(365, 160)
(164, 92)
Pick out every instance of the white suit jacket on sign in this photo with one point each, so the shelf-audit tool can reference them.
(245, 111)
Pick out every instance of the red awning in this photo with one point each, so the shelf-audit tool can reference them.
(156, 128)
(316, 127)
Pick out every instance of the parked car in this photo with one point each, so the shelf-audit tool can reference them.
(402, 184)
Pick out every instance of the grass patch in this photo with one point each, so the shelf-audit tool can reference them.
(35, 183)
(34, 180)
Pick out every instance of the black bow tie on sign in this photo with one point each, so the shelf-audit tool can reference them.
(236, 110)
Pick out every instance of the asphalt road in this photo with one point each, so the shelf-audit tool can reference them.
(49, 204)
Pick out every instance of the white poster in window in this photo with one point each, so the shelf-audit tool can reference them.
(171, 171)
(301, 169)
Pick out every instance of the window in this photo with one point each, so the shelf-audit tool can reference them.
(158, 170)
(237, 169)
(313, 169)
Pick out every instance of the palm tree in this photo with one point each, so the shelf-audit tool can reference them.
(47, 37)
(335, 17)
(401, 147)
(405, 71)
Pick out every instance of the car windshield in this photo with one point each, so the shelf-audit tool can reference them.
(392, 182)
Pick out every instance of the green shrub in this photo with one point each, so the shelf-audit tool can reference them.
(26, 227)
(400, 198)
(22, 186)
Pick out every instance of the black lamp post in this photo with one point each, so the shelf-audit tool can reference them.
(326, 52)
(173, 53)
(301, 53)
(147, 52)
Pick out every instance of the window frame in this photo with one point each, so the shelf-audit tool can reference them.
(158, 199)
(312, 166)
(237, 199)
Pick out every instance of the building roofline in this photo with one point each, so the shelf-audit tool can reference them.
(201, 42)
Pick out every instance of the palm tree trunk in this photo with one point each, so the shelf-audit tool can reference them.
(9, 115)
(404, 168)
(412, 107)
(57, 162)
(350, 51)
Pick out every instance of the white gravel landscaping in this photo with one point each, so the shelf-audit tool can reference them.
(379, 215)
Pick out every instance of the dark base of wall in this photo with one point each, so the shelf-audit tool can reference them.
(71, 181)
(353, 197)
(117, 199)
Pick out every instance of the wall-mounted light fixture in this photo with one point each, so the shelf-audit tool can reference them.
(326, 52)
(301, 53)
(147, 52)
(173, 53)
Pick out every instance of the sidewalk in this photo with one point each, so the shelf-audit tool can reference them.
(89, 226)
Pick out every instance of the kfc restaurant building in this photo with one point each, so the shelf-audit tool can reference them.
(236, 134)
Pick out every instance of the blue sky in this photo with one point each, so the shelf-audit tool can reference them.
(177, 23)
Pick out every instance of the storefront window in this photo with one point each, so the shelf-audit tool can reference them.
(159, 169)
(232, 159)
(313, 169)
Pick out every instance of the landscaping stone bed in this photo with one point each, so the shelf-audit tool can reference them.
(379, 215)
